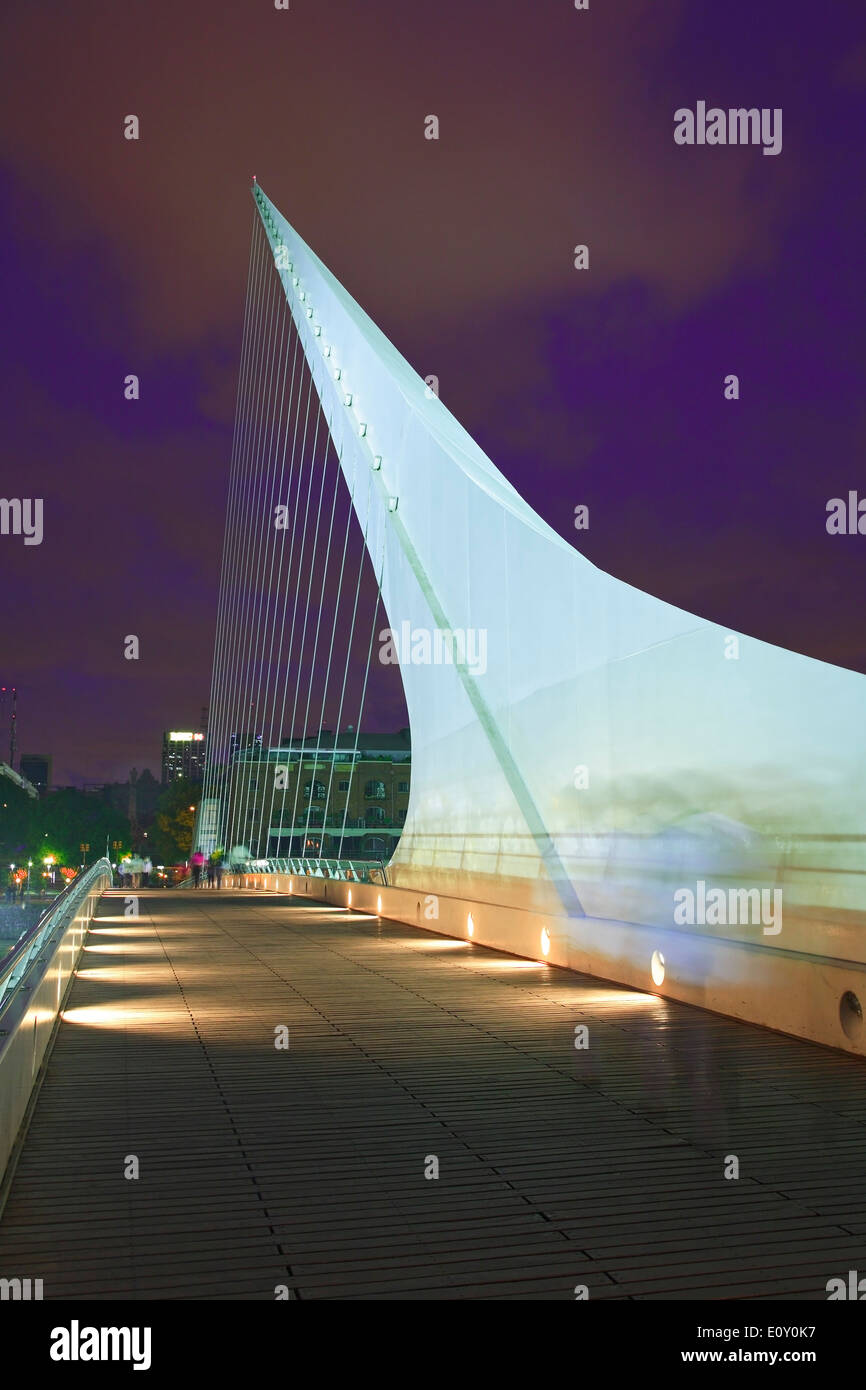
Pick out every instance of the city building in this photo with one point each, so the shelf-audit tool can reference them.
(36, 767)
(182, 756)
(323, 796)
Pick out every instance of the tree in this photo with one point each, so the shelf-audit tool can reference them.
(18, 823)
(172, 834)
(68, 818)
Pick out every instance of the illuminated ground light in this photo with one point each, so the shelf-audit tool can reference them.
(657, 968)
(379, 903)
(291, 885)
(507, 965)
(470, 926)
(545, 942)
(119, 933)
(120, 1016)
(349, 898)
(121, 948)
(121, 920)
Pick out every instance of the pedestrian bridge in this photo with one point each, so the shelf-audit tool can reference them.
(598, 778)
(253, 1095)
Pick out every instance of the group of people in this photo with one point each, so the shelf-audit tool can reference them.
(211, 865)
(15, 886)
(134, 872)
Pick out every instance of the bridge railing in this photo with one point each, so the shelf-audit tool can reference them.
(351, 870)
(34, 977)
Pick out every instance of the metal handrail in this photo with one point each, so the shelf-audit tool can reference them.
(351, 870)
(28, 950)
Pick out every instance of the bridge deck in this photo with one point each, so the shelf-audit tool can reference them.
(306, 1168)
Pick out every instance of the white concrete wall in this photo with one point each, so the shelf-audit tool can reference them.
(757, 980)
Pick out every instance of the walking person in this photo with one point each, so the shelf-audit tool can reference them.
(147, 870)
(197, 862)
(219, 871)
(210, 872)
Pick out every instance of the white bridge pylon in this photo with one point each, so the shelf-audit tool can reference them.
(579, 747)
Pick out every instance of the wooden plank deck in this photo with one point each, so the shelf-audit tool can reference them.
(305, 1168)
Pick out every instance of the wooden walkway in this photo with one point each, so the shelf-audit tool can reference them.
(305, 1167)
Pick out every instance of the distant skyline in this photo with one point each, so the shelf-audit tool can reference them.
(598, 387)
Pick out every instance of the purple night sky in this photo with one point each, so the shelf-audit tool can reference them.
(602, 387)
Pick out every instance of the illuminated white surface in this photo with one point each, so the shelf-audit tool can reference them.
(699, 766)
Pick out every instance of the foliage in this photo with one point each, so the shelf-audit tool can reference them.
(171, 837)
(57, 824)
